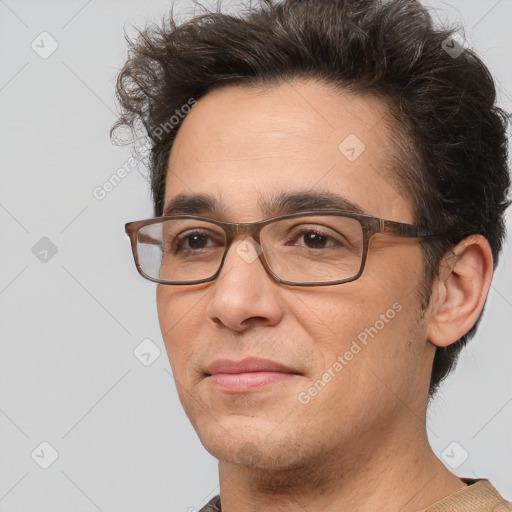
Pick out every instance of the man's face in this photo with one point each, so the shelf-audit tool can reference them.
(242, 146)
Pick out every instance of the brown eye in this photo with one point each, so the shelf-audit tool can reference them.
(196, 240)
(314, 240)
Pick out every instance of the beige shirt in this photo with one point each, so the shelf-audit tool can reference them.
(478, 496)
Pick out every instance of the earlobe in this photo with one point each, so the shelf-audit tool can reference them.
(460, 292)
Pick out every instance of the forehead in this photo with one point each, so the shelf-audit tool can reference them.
(242, 146)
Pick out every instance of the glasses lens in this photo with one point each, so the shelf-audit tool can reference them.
(313, 248)
(180, 249)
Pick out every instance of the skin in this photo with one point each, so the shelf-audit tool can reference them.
(360, 444)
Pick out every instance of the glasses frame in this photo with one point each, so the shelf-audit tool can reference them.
(370, 226)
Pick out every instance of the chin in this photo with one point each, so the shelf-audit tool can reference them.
(254, 444)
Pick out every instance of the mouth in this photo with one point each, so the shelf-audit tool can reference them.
(247, 375)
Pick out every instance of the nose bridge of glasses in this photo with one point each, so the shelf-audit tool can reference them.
(244, 229)
(237, 233)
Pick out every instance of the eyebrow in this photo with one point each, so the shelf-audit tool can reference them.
(282, 203)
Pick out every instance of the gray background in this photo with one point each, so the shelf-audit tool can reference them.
(70, 321)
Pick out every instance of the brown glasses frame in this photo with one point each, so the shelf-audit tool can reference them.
(370, 226)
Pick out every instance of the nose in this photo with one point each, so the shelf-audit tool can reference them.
(244, 293)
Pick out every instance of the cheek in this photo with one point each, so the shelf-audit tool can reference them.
(366, 371)
(178, 308)
(367, 332)
(334, 317)
(180, 320)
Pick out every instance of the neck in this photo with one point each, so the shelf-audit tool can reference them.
(396, 471)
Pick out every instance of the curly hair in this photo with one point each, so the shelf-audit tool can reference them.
(451, 143)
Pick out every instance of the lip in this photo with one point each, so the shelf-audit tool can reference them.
(247, 375)
(247, 365)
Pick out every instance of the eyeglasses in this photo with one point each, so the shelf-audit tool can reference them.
(312, 248)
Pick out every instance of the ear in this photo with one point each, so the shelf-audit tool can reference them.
(459, 293)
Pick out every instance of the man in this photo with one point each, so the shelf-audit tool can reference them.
(329, 182)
